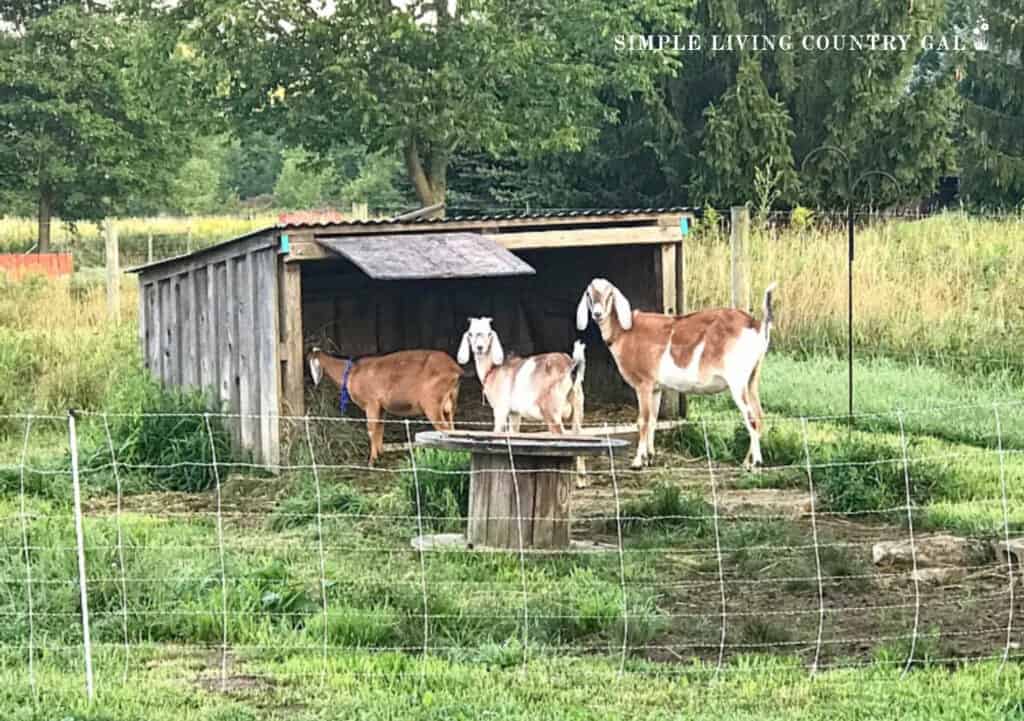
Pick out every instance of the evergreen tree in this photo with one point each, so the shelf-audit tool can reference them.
(993, 91)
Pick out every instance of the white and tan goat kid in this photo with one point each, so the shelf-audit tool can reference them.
(547, 387)
(700, 353)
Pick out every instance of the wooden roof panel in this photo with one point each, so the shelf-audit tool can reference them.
(427, 255)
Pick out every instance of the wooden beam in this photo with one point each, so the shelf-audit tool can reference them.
(585, 237)
(207, 256)
(292, 345)
(665, 265)
(113, 263)
(306, 248)
(495, 225)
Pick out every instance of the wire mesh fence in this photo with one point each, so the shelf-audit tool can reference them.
(825, 559)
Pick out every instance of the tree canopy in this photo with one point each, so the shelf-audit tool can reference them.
(429, 79)
(94, 111)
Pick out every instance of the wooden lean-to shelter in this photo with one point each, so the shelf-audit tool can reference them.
(234, 318)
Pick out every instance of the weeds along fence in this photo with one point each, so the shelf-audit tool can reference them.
(143, 535)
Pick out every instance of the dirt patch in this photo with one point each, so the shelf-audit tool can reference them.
(244, 501)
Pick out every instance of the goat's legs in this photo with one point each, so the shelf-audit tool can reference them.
(514, 420)
(576, 399)
(739, 396)
(501, 420)
(375, 428)
(655, 409)
(754, 398)
(643, 421)
(451, 401)
(436, 415)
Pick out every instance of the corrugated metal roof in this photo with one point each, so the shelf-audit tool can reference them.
(427, 255)
(595, 213)
(540, 216)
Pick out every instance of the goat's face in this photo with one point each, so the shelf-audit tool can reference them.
(482, 340)
(601, 299)
(315, 369)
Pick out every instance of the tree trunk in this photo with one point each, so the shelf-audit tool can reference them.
(45, 214)
(428, 175)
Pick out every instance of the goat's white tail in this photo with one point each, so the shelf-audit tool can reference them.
(766, 321)
(579, 363)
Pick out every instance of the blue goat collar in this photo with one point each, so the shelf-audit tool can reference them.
(343, 396)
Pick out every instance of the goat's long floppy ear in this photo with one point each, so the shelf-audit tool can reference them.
(622, 310)
(582, 314)
(497, 353)
(463, 356)
(315, 369)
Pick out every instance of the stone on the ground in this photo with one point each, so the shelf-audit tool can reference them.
(941, 576)
(1010, 552)
(931, 551)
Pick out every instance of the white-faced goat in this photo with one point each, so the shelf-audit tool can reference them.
(407, 383)
(700, 353)
(547, 387)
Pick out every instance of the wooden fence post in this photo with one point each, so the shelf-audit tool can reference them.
(113, 265)
(149, 248)
(738, 240)
(360, 211)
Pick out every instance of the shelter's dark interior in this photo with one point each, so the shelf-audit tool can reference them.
(350, 314)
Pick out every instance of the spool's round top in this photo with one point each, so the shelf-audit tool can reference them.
(522, 444)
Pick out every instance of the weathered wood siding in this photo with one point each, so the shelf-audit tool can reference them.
(212, 324)
(354, 315)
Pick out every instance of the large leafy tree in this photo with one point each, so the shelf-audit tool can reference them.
(95, 109)
(993, 90)
(429, 79)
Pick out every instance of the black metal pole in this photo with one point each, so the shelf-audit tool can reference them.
(849, 307)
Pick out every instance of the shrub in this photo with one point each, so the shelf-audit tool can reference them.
(861, 473)
(161, 434)
(443, 478)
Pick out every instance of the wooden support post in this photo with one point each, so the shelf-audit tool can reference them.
(149, 248)
(360, 211)
(669, 258)
(738, 242)
(292, 346)
(680, 276)
(113, 265)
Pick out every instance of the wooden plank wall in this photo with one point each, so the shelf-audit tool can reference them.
(214, 327)
(351, 314)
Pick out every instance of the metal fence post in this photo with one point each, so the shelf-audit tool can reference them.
(80, 543)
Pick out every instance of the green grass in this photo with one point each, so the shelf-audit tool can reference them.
(163, 686)
(538, 636)
(941, 433)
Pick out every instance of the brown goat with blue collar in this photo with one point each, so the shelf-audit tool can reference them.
(408, 384)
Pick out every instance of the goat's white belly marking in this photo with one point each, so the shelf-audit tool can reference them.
(688, 379)
(523, 400)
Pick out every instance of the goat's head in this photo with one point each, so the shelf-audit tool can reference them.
(315, 369)
(601, 299)
(481, 339)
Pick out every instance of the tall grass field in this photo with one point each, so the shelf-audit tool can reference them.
(220, 590)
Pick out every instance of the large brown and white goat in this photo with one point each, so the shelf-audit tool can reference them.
(700, 353)
(407, 383)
